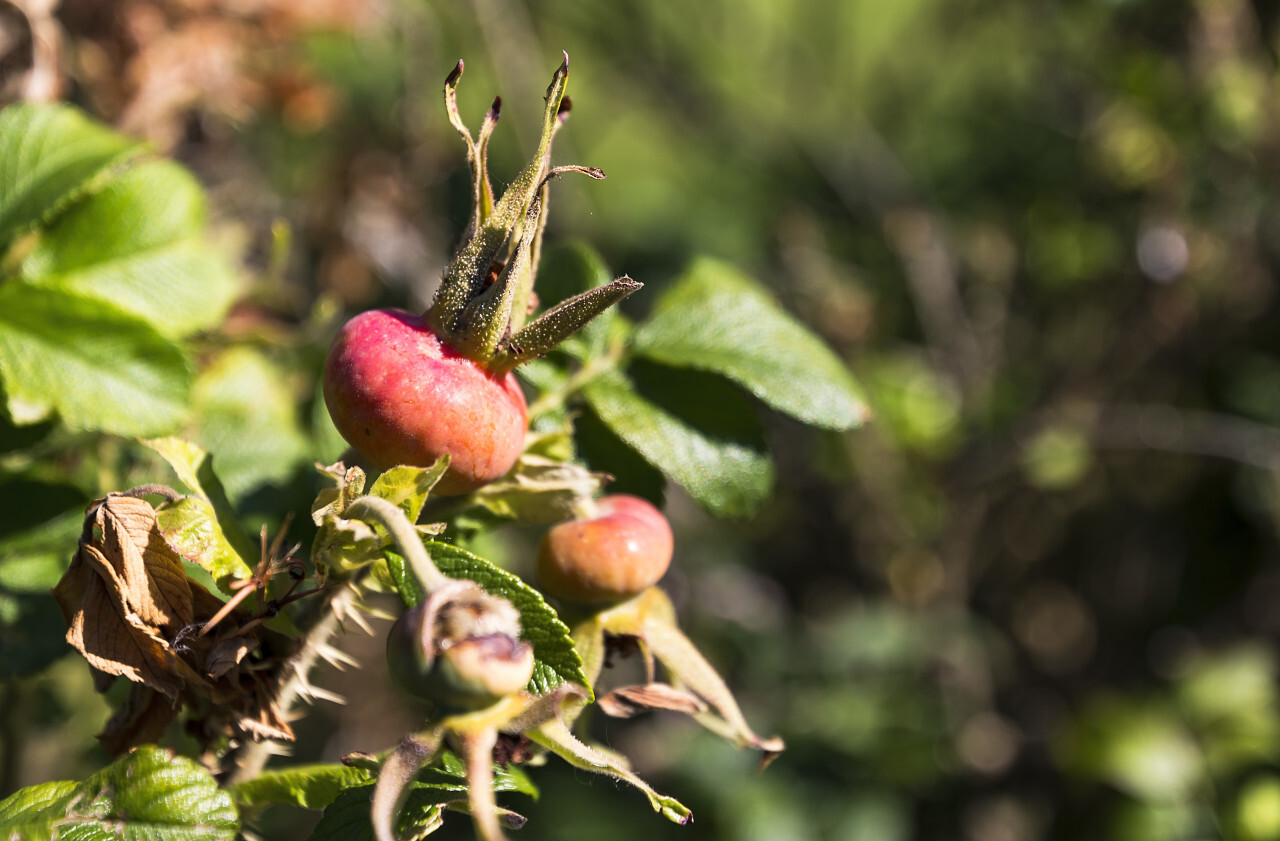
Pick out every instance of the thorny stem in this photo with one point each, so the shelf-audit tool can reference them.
(390, 517)
(335, 603)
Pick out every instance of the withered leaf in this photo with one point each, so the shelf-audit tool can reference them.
(143, 717)
(125, 594)
(628, 701)
(147, 571)
(227, 654)
(131, 611)
(111, 636)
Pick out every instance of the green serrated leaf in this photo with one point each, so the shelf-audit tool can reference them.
(50, 154)
(555, 659)
(716, 319)
(97, 367)
(194, 468)
(191, 528)
(307, 786)
(147, 795)
(248, 418)
(25, 814)
(694, 428)
(137, 244)
(451, 772)
(603, 450)
(407, 487)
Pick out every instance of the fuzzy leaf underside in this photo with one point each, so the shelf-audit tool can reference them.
(147, 795)
(717, 319)
(703, 435)
(555, 659)
(95, 366)
(49, 156)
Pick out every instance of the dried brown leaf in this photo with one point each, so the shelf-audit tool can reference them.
(142, 568)
(143, 717)
(109, 635)
(628, 701)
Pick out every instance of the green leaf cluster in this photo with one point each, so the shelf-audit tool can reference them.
(666, 396)
(105, 270)
(148, 795)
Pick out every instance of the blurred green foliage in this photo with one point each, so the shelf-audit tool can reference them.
(1035, 597)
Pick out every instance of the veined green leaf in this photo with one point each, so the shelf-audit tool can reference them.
(555, 659)
(97, 367)
(717, 319)
(191, 527)
(138, 244)
(50, 154)
(148, 795)
(703, 434)
(407, 487)
(194, 468)
(347, 817)
(308, 786)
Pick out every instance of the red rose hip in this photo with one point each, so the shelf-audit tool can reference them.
(400, 395)
(621, 550)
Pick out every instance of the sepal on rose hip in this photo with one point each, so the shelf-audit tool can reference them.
(460, 648)
(650, 620)
(484, 294)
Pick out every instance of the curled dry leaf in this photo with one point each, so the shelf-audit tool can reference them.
(628, 701)
(132, 612)
(125, 595)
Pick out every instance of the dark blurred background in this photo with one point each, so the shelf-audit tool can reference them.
(1035, 597)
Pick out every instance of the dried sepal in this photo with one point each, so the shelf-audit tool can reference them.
(556, 737)
(629, 701)
(649, 621)
(475, 160)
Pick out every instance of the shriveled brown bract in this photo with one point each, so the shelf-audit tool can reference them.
(133, 612)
